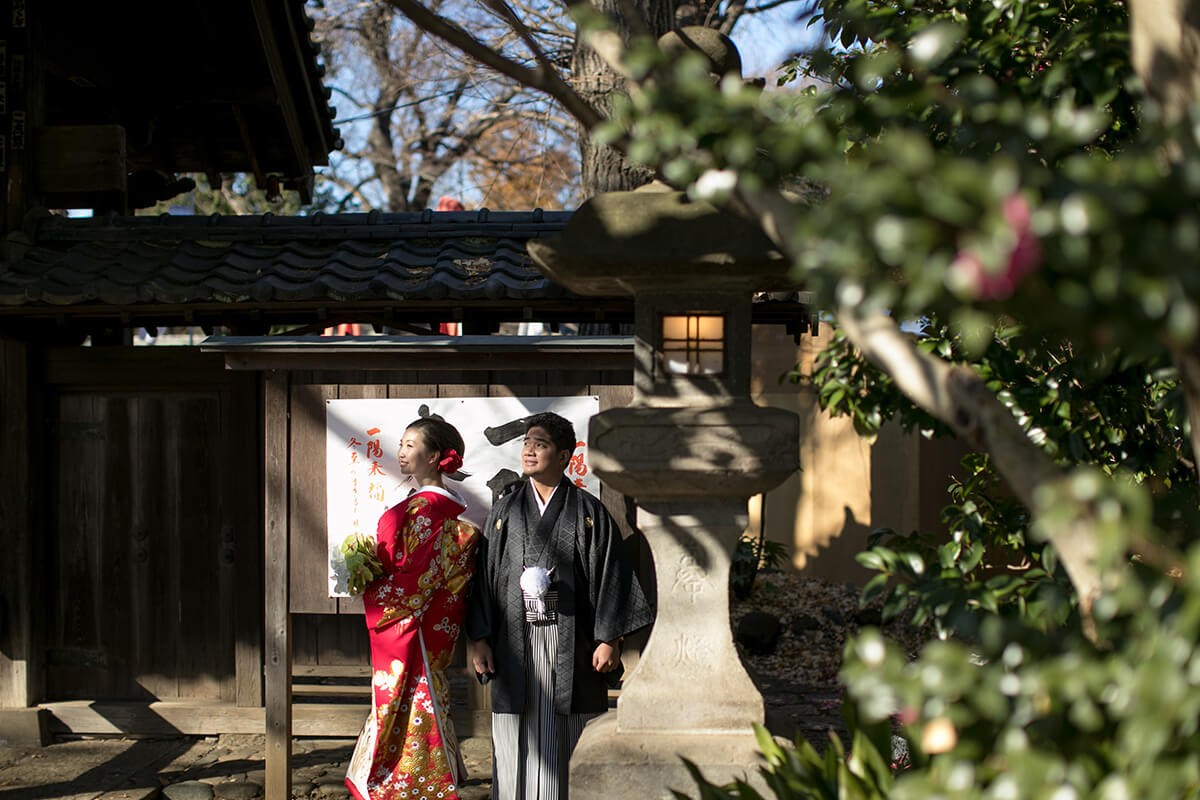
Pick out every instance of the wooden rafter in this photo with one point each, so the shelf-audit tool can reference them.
(269, 33)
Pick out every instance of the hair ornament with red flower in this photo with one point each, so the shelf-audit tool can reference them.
(451, 461)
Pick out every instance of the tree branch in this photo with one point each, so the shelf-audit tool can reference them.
(542, 79)
(1188, 365)
(519, 27)
(960, 398)
(351, 190)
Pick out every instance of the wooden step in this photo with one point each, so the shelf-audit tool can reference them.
(163, 718)
(362, 690)
(331, 671)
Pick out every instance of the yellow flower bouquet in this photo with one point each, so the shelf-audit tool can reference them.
(356, 563)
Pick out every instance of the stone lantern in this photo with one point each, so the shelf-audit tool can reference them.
(692, 449)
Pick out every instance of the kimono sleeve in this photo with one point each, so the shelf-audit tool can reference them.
(408, 590)
(613, 588)
(480, 621)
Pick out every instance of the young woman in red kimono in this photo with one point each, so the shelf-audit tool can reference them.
(407, 748)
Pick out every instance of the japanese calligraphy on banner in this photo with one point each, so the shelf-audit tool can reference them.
(362, 439)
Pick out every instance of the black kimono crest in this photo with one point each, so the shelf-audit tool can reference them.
(599, 598)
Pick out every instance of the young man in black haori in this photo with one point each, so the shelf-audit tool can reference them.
(553, 594)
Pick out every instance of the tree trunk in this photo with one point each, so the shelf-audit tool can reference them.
(602, 169)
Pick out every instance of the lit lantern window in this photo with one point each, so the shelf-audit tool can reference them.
(694, 344)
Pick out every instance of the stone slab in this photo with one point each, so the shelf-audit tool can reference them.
(140, 793)
(610, 765)
(86, 769)
(21, 727)
(188, 790)
(171, 718)
(237, 790)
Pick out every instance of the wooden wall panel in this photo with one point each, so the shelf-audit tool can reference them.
(306, 500)
(570, 383)
(461, 388)
(155, 600)
(74, 655)
(243, 480)
(205, 641)
(410, 384)
(517, 384)
(154, 491)
(145, 602)
(114, 572)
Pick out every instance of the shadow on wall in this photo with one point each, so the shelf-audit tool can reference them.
(848, 486)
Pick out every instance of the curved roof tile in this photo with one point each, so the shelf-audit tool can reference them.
(179, 260)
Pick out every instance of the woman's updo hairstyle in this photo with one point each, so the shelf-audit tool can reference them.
(439, 435)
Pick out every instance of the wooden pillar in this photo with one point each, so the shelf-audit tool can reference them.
(278, 627)
(20, 669)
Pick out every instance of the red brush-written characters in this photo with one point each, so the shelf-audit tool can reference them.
(577, 467)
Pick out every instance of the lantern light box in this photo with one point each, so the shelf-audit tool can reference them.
(693, 344)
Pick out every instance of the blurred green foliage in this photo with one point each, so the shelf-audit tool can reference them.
(993, 169)
(751, 555)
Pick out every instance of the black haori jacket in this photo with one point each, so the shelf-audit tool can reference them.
(599, 598)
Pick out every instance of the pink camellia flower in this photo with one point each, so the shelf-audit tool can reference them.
(1024, 256)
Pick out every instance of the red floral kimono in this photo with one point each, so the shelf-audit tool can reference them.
(407, 748)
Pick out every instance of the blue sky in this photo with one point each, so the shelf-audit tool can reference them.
(766, 39)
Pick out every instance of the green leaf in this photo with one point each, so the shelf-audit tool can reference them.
(874, 589)
(871, 559)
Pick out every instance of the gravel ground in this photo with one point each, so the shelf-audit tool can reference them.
(799, 679)
(817, 618)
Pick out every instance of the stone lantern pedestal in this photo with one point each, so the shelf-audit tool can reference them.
(692, 449)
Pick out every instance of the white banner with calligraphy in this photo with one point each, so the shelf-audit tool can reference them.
(362, 438)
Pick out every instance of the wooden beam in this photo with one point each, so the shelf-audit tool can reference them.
(278, 622)
(478, 364)
(460, 353)
(316, 105)
(269, 34)
(260, 178)
(143, 367)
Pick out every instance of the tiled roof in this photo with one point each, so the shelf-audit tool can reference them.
(264, 260)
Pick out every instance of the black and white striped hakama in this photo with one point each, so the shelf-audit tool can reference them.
(532, 750)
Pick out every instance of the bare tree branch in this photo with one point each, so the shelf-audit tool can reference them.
(505, 12)
(767, 6)
(543, 80)
(352, 190)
